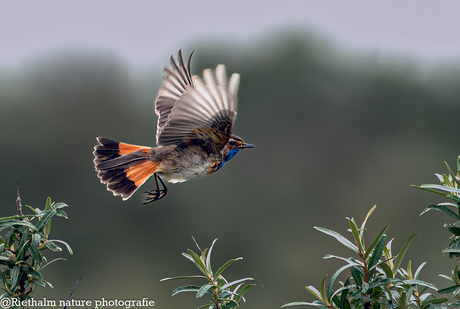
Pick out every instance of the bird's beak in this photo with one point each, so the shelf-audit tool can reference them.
(247, 146)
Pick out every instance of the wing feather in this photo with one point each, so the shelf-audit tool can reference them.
(174, 83)
(191, 110)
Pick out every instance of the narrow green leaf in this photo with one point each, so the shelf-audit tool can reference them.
(187, 256)
(427, 302)
(337, 273)
(52, 246)
(388, 295)
(344, 302)
(26, 267)
(455, 277)
(64, 243)
(429, 190)
(402, 300)
(236, 282)
(52, 261)
(449, 204)
(381, 263)
(402, 252)
(45, 219)
(243, 291)
(387, 251)
(48, 204)
(15, 276)
(61, 213)
(184, 277)
(446, 180)
(453, 197)
(383, 282)
(448, 290)
(375, 242)
(5, 259)
(440, 188)
(365, 287)
(208, 257)
(357, 276)
(357, 294)
(47, 229)
(313, 291)
(339, 237)
(33, 249)
(347, 260)
(452, 175)
(377, 253)
(447, 277)
(454, 252)
(299, 303)
(323, 291)
(59, 205)
(15, 217)
(203, 290)
(363, 226)
(40, 283)
(419, 282)
(23, 245)
(198, 262)
(355, 233)
(203, 255)
(6, 286)
(344, 291)
(417, 272)
(223, 267)
(186, 288)
(453, 228)
(33, 209)
(442, 208)
(9, 223)
(458, 166)
(49, 284)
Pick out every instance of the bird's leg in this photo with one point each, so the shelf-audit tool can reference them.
(158, 193)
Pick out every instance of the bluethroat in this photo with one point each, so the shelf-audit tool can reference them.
(194, 134)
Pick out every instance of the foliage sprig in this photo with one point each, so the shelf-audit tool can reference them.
(223, 294)
(22, 249)
(375, 278)
(449, 188)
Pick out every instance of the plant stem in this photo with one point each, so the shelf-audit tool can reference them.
(18, 201)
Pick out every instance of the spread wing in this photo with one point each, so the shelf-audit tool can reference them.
(193, 111)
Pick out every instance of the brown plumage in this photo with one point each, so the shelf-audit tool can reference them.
(194, 134)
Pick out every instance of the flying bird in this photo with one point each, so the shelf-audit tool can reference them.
(194, 134)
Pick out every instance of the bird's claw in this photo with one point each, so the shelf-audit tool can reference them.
(154, 195)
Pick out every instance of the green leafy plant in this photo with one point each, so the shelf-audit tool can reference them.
(223, 294)
(375, 278)
(450, 189)
(22, 247)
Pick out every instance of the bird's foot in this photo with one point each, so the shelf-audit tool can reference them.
(154, 195)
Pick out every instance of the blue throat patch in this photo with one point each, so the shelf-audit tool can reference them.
(231, 154)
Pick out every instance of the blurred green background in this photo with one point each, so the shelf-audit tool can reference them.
(337, 130)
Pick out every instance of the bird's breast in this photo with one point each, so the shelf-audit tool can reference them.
(184, 164)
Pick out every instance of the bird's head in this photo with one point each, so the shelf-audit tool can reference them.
(232, 147)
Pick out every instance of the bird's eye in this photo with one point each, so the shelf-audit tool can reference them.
(232, 143)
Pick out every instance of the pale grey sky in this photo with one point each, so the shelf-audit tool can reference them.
(142, 31)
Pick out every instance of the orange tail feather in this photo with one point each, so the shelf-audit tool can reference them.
(123, 167)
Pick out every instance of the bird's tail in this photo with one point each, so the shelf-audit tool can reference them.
(123, 167)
